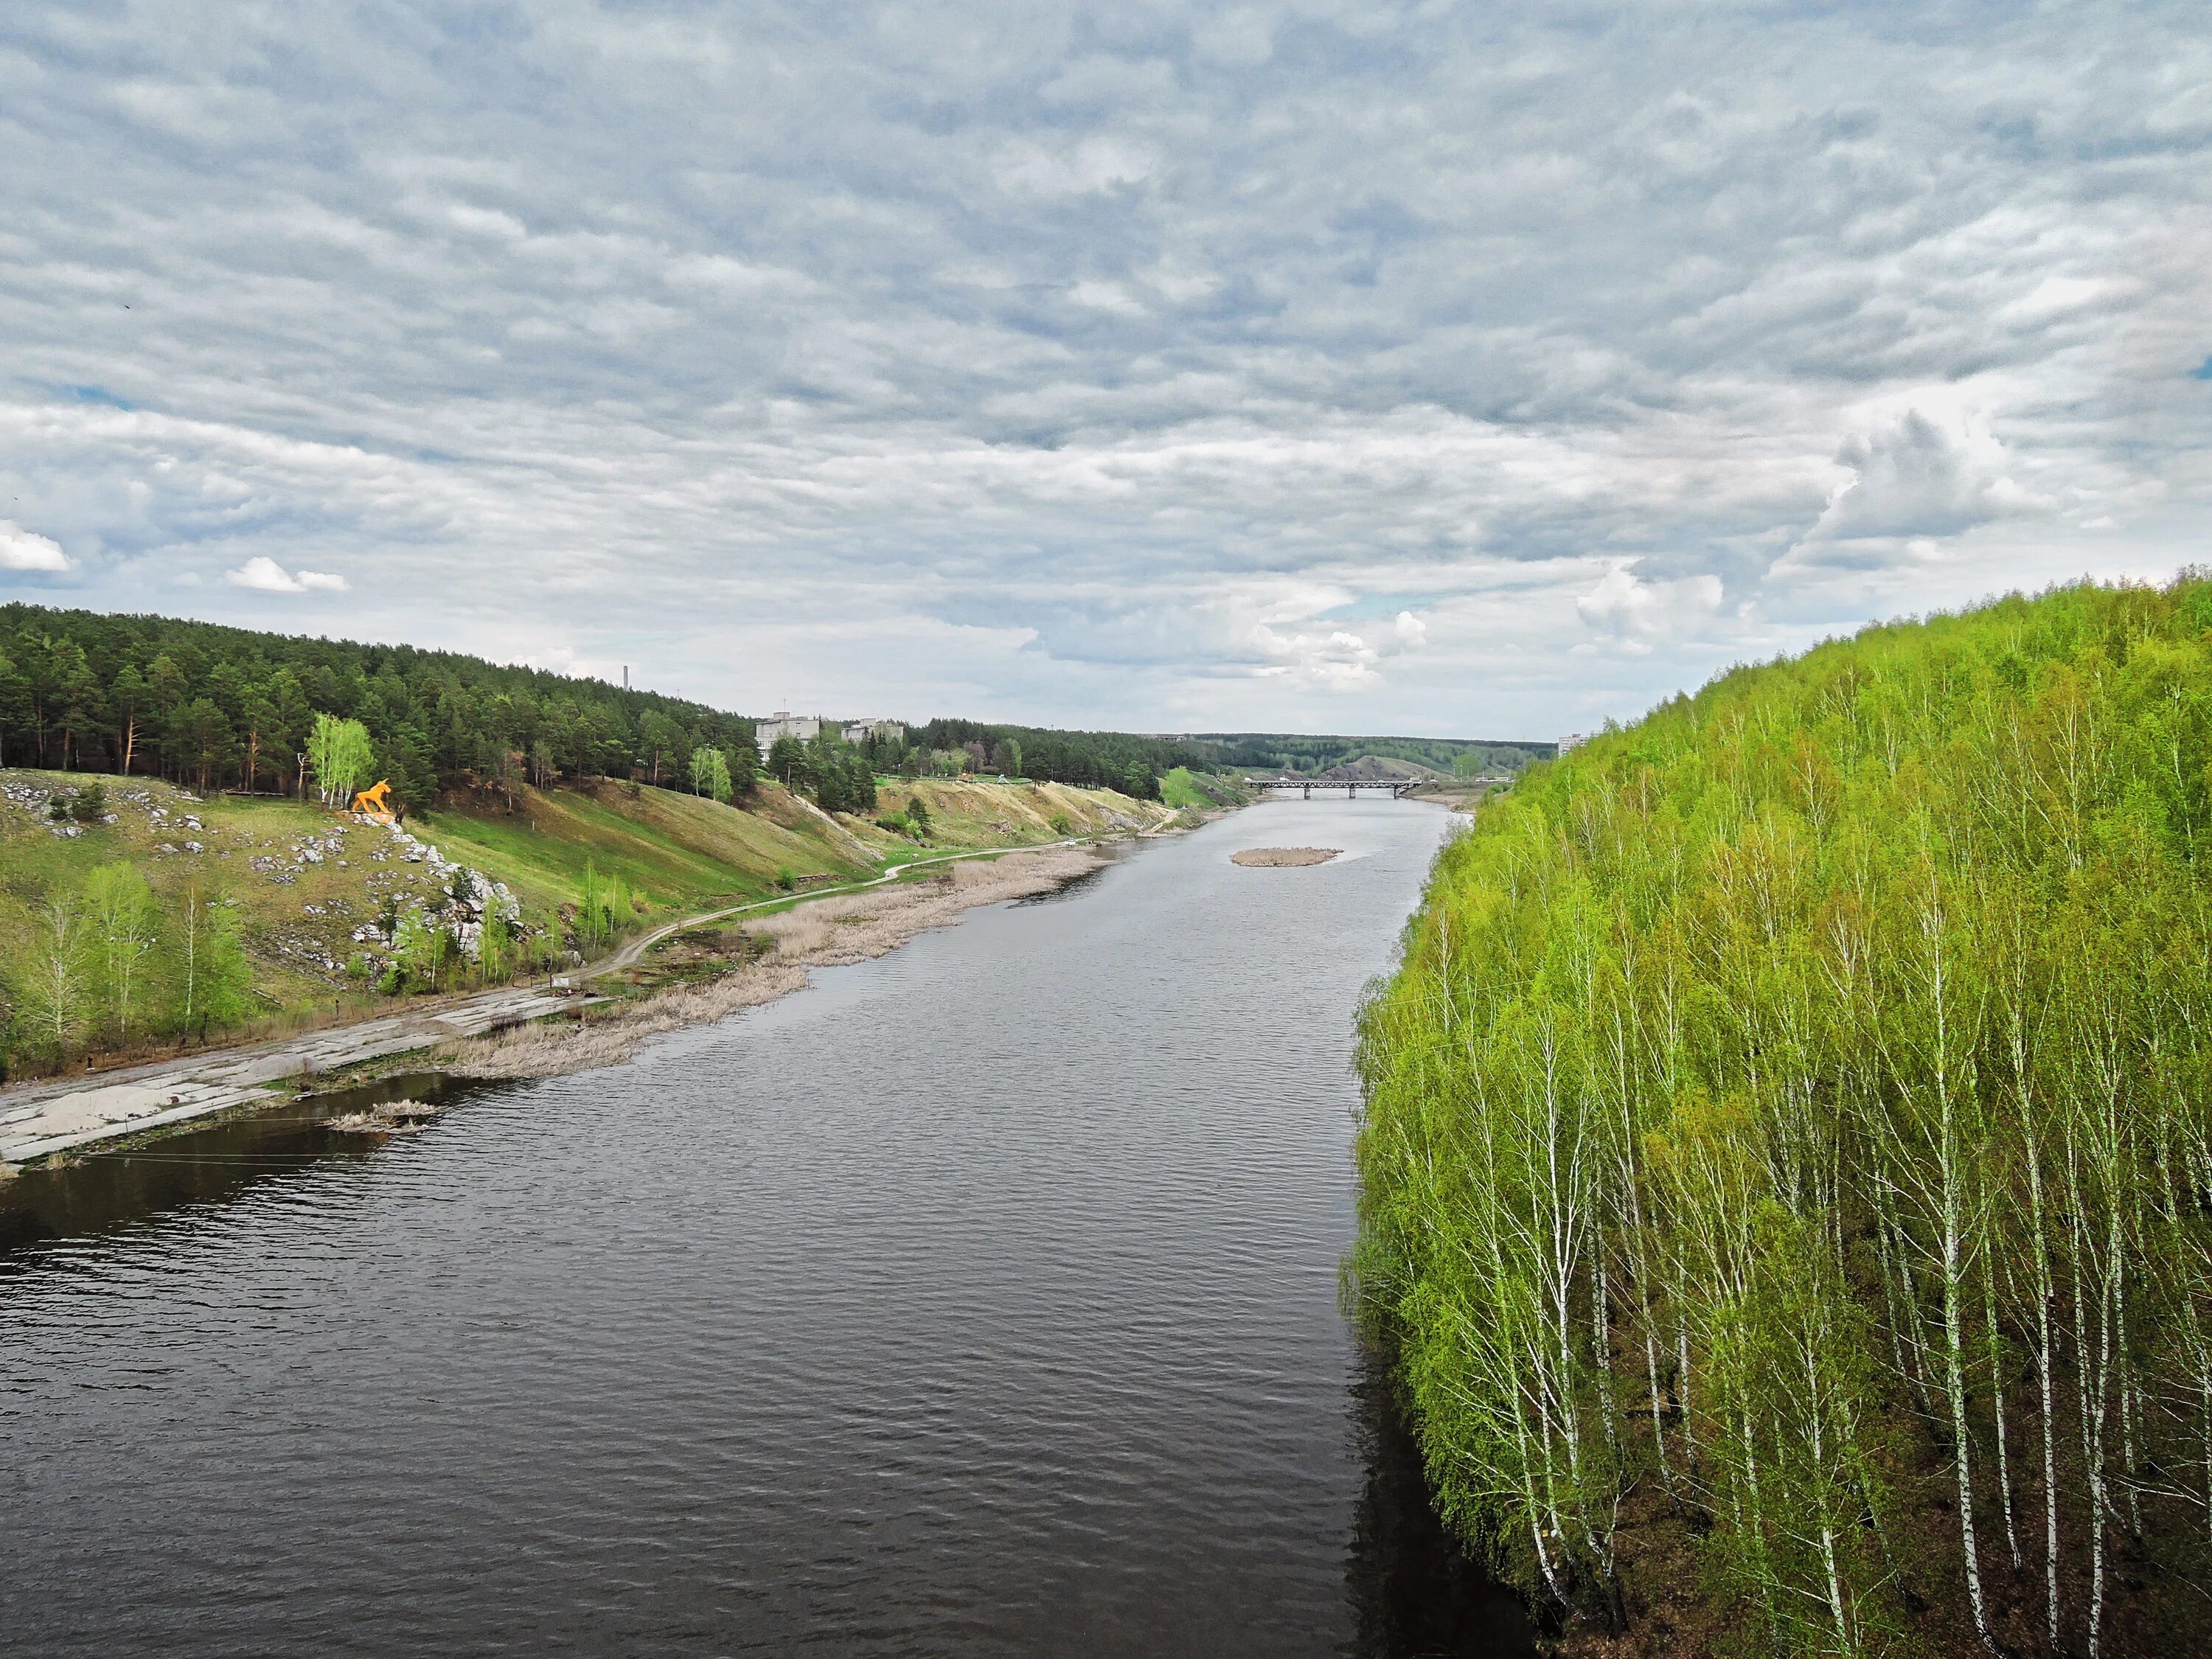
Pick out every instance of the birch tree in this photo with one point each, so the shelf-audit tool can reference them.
(1814, 1082)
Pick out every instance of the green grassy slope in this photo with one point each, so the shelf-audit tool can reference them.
(975, 813)
(672, 849)
(295, 915)
(301, 883)
(1185, 788)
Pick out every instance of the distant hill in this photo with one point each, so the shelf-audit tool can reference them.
(1378, 769)
(217, 707)
(1306, 753)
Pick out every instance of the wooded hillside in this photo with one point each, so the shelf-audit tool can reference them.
(1109, 760)
(214, 707)
(1788, 1147)
(1284, 751)
(165, 876)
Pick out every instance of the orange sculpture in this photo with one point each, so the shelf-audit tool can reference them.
(376, 802)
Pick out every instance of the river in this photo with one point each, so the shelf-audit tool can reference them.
(980, 1299)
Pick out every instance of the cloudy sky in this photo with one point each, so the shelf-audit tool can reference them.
(1449, 368)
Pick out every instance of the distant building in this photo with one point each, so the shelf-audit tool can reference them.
(861, 730)
(1573, 740)
(784, 724)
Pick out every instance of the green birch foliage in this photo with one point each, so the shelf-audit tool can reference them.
(710, 773)
(226, 976)
(603, 907)
(421, 951)
(52, 992)
(1803, 1097)
(119, 906)
(339, 754)
(209, 978)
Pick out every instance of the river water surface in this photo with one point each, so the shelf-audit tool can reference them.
(977, 1300)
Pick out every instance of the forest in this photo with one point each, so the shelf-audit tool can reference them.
(1786, 1168)
(1111, 759)
(1290, 752)
(216, 707)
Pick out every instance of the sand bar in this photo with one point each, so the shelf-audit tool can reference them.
(1283, 857)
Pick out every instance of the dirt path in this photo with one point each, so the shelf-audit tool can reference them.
(632, 953)
(60, 1114)
(851, 927)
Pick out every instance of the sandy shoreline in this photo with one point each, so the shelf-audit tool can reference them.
(827, 933)
(517, 1031)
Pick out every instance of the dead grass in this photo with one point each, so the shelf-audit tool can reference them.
(827, 932)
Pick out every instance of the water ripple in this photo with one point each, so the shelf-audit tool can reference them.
(980, 1300)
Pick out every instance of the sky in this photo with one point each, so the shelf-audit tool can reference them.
(1456, 370)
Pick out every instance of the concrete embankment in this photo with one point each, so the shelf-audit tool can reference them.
(66, 1115)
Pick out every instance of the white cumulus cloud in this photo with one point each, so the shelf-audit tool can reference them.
(1626, 608)
(263, 575)
(1338, 660)
(1916, 476)
(1015, 363)
(26, 550)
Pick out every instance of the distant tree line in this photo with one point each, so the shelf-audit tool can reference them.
(1126, 761)
(1292, 752)
(214, 707)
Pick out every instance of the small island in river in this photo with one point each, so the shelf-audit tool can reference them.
(1283, 857)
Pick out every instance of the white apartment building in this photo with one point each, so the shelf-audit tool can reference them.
(784, 724)
(807, 727)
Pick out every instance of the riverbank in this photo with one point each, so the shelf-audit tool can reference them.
(1005, 1230)
(77, 1114)
(766, 959)
(252, 919)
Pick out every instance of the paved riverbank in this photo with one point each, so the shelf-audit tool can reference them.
(71, 1113)
(66, 1114)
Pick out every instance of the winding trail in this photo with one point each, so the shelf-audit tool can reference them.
(70, 1114)
(629, 955)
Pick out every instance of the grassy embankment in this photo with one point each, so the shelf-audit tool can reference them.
(1787, 1166)
(295, 915)
(1195, 792)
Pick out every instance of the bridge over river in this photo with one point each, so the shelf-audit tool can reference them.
(1352, 788)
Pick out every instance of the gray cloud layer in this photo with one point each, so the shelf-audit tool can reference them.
(1427, 367)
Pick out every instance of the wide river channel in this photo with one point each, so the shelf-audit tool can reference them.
(981, 1299)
